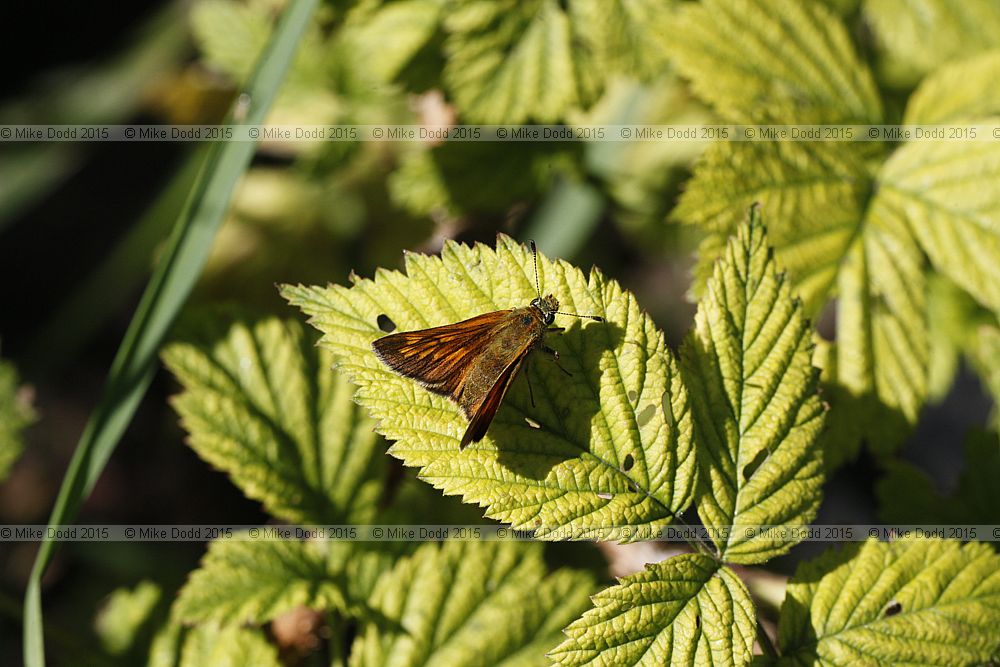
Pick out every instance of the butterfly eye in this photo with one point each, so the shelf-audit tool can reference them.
(549, 318)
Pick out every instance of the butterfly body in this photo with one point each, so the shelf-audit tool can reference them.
(472, 362)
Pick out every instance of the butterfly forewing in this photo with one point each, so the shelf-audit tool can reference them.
(440, 358)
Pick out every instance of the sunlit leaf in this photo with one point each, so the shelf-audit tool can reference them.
(469, 603)
(754, 402)
(609, 445)
(687, 610)
(790, 58)
(928, 602)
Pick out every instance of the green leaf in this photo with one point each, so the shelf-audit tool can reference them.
(171, 283)
(813, 194)
(842, 234)
(510, 62)
(915, 37)
(687, 610)
(984, 355)
(245, 581)
(787, 59)
(880, 372)
(208, 646)
(608, 446)
(125, 614)
(927, 602)
(960, 91)
(261, 403)
(469, 603)
(949, 193)
(753, 398)
(907, 495)
(383, 40)
(16, 414)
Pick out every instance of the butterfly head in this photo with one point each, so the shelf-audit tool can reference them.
(547, 306)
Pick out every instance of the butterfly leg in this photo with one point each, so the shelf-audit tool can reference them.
(555, 357)
(531, 393)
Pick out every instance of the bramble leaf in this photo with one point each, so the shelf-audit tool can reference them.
(928, 602)
(949, 193)
(208, 646)
(608, 446)
(784, 59)
(469, 603)
(261, 403)
(813, 194)
(688, 610)
(753, 401)
(510, 62)
(16, 414)
(246, 581)
(122, 617)
(961, 91)
(916, 37)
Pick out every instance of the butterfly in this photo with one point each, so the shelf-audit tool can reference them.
(474, 362)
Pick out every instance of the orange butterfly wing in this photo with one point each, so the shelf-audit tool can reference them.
(439, 358)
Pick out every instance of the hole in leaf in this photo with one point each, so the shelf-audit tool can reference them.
(385, 324)
(893, 608)
(532, 423)
(628, 462)
(697, 620)
(751, 467)
(643, 417)
(605, 496)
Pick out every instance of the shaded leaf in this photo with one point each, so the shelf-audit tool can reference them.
(929, 602)
(125, 614)
(16, 414)
(906, 495)
(469, 603)
(687, 610)
(753, 398)
(261, 403)
(245, 581)
(624, 399)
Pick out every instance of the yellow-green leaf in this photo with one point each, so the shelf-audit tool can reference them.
(469, 603)
(787, 59)
(688, 610)
(963, 90)
(16, 414)
(912, 602)
(262, 404)
(915, 37)
(754, 403)
(949, 193)
(609, 445)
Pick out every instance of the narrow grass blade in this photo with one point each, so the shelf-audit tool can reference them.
(166, 293)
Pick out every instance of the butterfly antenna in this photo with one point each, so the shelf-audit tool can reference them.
(596, 318)
(534, 256)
